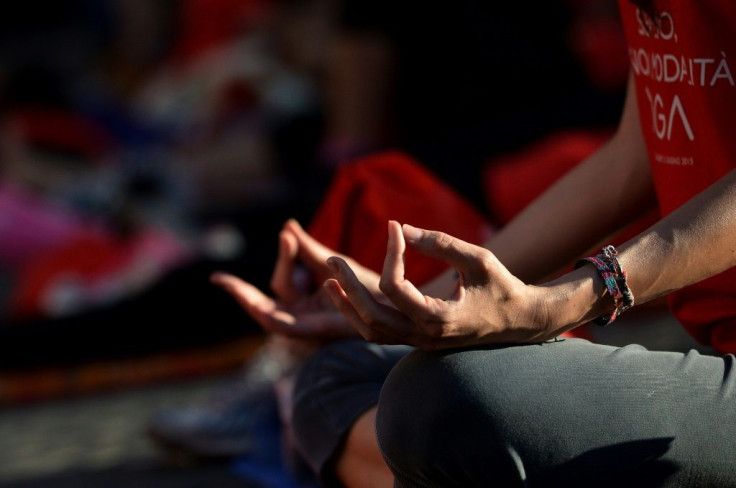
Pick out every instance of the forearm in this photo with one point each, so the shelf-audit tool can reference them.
(695, 242)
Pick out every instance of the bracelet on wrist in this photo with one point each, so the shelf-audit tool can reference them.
(609, 269)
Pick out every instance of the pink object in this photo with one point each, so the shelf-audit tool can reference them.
(29, 226)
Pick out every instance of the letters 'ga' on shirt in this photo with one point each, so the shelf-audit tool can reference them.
(683, 58)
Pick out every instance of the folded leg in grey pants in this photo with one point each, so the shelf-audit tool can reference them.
(567, 413)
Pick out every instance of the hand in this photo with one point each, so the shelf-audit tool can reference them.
(489, 305)
(296, 313)
(295, 244)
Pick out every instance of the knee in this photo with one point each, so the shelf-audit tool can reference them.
(437, 408)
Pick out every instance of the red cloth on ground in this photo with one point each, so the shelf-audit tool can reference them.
(684, 62)
(353, 217)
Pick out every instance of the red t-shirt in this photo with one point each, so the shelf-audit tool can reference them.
(683, 58)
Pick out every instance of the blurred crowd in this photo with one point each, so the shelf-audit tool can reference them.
(140, 139)
(146, 144)
(131, 128)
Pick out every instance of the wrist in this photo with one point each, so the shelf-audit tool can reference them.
(574, 299)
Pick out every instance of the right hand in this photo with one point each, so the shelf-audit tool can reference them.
(295, 313)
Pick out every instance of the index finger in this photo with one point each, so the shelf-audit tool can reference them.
(473, 261)
(394, 285)
(312, 252)
(265, 310)
(258, 305)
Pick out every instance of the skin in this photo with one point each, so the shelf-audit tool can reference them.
(486, 297)
(360, 464)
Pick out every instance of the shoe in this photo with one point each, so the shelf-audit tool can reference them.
(226, 425)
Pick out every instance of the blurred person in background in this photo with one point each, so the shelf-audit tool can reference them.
(145, 145)
(138, 155)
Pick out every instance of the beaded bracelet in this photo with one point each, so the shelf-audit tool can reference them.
(614, 278)
(621, 276)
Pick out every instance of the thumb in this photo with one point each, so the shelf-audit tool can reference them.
(473, 261)
(282, 280)
(311, 251)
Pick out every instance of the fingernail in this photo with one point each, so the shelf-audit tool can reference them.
(330, 290)
(332, 264)
(412, 234)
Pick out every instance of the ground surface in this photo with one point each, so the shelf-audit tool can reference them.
(98, 441)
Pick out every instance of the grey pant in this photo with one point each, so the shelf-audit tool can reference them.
(568, 413)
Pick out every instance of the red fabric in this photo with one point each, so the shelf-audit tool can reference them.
(206, 24)
(91, 269)
(684, 63)
(66, 131)
(83, 258)
(353, 217)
